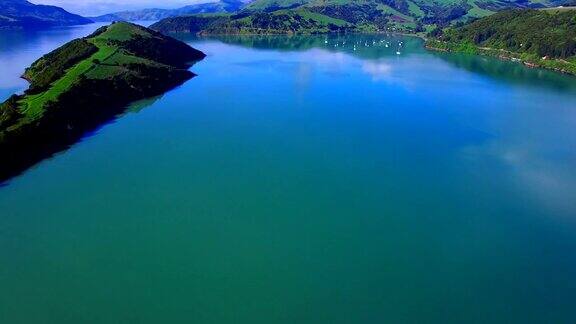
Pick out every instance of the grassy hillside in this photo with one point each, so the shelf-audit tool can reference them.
(88, 80)
(53, 66)
(544, 38)
(322, 16)
(112, 52)
(302, 20)
(298, 21)
(415, 11)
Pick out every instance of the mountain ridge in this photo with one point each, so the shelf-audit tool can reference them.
(21, 14)
(221, 6)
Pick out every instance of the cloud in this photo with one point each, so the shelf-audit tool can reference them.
(534, 146)
(378, 70)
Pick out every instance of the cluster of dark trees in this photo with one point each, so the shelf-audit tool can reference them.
(443, 15)
(192, 24)
(9, 112)
(162, 49)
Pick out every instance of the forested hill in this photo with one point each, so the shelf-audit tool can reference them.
(319, 16)
(541, 37)
(18, 14)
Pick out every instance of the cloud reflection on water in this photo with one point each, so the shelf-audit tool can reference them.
(520, 141)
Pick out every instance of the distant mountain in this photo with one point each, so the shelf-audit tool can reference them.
(20, 14)
(221, 6)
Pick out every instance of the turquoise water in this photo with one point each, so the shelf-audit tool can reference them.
(296, 181)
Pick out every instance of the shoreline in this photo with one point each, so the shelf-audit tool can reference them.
(504, 55)
(200, 35)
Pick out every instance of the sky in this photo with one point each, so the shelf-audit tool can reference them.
(99, 7)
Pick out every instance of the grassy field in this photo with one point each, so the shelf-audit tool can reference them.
(477, 12)
(32, 105)
(415, 10)
(110, 59)
(318, 17)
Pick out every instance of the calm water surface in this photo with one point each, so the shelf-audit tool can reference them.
(297, 180)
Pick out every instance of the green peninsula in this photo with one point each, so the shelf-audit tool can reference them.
(538, 38)
(84, 83)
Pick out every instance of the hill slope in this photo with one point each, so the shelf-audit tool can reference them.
(299, 21)
(544, 38)
(23, 14)
(84, 83)
(315, 16)
(425, 11)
